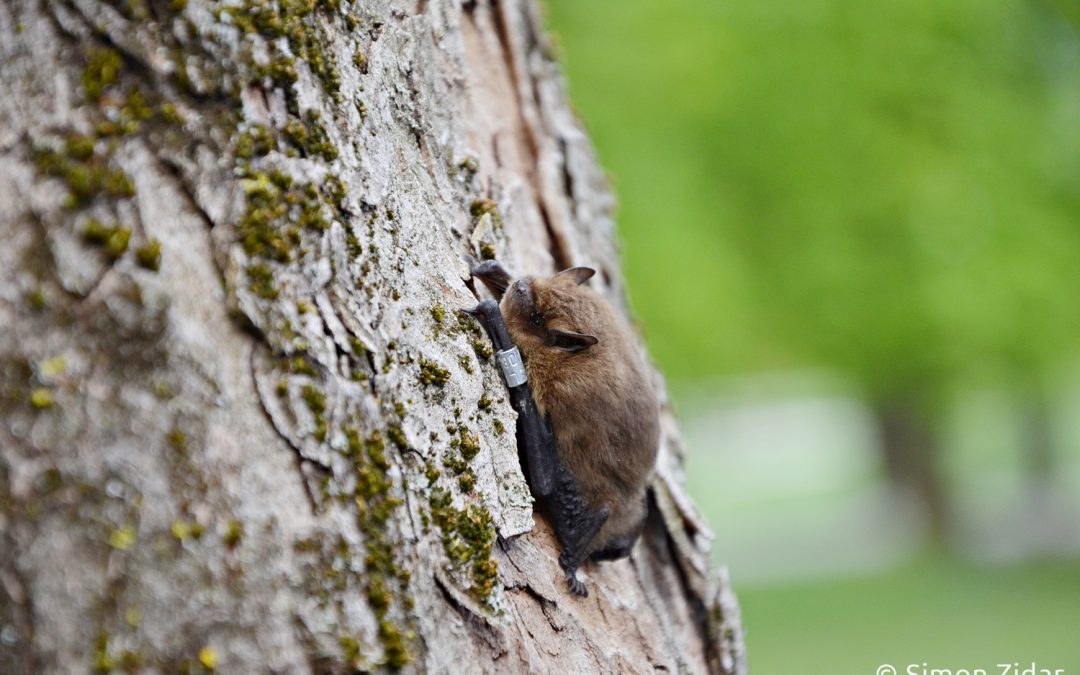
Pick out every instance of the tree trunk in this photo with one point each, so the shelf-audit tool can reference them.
(243, 426)
(911, 458)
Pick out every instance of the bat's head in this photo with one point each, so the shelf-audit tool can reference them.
(557, 316)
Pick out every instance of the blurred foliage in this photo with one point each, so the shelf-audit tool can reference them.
(890, 189)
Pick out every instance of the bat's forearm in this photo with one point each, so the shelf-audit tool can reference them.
(533, 435)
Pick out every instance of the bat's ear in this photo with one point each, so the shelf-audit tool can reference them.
(578, 275)
(569, 341)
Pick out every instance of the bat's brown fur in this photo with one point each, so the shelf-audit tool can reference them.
(591, 383)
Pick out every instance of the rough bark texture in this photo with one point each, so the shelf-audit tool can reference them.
(243, 426)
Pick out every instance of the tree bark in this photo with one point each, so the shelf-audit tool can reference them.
(243, 426)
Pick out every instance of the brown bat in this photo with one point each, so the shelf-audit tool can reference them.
(590, 436)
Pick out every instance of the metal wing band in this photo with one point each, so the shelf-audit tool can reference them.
(512, 367)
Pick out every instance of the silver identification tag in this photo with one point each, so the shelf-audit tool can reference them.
(512, 367)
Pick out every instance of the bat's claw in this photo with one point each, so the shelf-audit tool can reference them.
(576, 586)
(486, 269)
(487, 313)
(493, 275)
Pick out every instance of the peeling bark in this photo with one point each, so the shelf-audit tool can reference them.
(243, 426)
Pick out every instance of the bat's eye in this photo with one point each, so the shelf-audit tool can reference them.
(536, 320)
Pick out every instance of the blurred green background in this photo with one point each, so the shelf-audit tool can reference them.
(852, 235)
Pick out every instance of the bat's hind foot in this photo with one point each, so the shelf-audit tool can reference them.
(576, 586)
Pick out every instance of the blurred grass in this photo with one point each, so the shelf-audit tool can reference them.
(935, 610)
